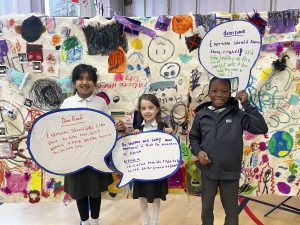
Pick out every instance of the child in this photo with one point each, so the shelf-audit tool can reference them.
(86, 185)
(216, 138)
(150, 192)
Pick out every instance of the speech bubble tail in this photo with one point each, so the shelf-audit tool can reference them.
(125, 180)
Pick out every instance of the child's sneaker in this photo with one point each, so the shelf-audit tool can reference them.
(153, 223)
(87, 222)
(94, 222)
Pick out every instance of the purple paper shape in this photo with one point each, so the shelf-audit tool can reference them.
(134, 27)
(3, 50)
(129, 30)
(162, 23)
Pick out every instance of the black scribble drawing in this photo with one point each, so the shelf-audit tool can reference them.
(46, 94)
(194, 82)
(102, 40)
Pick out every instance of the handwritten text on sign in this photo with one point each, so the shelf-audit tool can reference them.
(151, 155)
(230, 50)
(67, 140)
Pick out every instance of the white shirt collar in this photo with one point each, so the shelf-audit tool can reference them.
(79, 99)
(153, 124)
(216, 110)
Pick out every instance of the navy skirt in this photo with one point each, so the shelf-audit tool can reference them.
(87, 182)
(150, 190)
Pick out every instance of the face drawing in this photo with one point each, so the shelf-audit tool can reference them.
(170, 70)
(160, 49)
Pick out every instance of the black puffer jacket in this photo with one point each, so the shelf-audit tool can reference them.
(221, 137)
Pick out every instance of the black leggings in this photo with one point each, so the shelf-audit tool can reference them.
(87, 203)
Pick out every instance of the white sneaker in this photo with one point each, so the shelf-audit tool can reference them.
(153, 223)
(87, 222)
(94, 221)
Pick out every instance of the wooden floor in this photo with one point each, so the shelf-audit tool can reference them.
(177, 210)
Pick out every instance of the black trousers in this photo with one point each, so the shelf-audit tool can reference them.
(229, 198)
(86, 204)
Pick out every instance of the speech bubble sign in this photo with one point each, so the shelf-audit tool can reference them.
(230, 50)
(148, 156)
(67, 140)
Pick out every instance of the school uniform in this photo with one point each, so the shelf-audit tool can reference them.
(219, 132)
(151, 189)
(86, 182)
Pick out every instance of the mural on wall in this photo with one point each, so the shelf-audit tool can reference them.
(150, 55)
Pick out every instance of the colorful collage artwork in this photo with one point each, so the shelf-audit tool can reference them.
(172, 57)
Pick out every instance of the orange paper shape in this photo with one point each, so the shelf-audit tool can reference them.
(51, 69)
(181, 24)
(117, 61)
(55, 40)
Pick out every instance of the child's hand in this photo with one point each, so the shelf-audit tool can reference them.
(28, 125)
(136, 131)
(168, 130)
(203, 158)
(120, 125)
(242, 96)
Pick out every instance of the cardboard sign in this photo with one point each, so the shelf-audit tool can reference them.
(67, 140)
(230, 50)
(147, 156)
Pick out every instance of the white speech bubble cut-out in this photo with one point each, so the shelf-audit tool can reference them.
(67, 140)
(151, 155)
(230, 50)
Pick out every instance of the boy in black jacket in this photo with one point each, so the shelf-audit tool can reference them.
(216, 138)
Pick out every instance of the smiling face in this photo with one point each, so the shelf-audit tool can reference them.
(84, 85)
(219, 93)
(148, 110)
